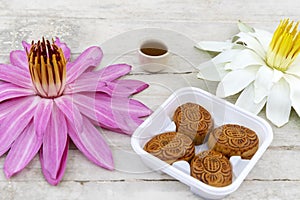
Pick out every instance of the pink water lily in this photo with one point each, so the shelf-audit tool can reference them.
(46, 100)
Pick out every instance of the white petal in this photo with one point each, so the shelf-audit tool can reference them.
(214, 46)
(235, 81)
(264, 38)
(244, 27)
(246, 58)
(277, 75)
(294, 68)
(246, 100)
(252, 43)
(279, 104)
(226, 56)
(263, 83)
(210, 71)
(294, 83)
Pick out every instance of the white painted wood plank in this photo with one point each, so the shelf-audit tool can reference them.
(128, 166)
(275, 165)
(81, 33)
(147, 190)
(158, 10)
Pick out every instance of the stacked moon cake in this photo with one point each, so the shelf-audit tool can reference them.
(171, 147)
(212, 168)
(194, 121)
(234, 140)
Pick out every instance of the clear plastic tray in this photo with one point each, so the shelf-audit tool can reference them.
(222, 112)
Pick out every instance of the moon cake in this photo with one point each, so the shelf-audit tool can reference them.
(212, 168)
(194, 121)
(171, 147)
(234, 140)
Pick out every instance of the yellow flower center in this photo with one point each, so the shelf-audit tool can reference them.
(285, 45)
(47, 66)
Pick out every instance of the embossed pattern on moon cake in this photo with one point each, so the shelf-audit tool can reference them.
(234, 140)
(193, 120)
(212, 168)
(171, 147)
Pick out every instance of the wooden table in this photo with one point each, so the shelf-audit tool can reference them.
(90, 22)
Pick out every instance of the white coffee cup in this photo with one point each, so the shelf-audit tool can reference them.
(153, 55)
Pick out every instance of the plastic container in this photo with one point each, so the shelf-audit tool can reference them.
(222, 112)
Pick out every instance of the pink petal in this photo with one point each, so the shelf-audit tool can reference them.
(7, 106)
(96, 80)
(123, 110)
(70, 110)
(126, 87)
(15, 122)
(138, 122)
(91, 81)
(123, 88)
(15, 75)
(84, 85)
(42, 115)
(137, 109)
(61, 170)
(22, 151)
(9, 91)
(134, 107)
(64, 47)
(19, 58)
(91, 57)
(117, 114)
(26, 46)
(55, 142)
(91, 143)
(87, 106)
(113, 72)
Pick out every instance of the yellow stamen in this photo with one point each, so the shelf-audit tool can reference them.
(56, 73)
(44, 74)
(47, 66)
(285, 45)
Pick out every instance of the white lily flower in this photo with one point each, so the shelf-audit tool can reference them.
(265, 68)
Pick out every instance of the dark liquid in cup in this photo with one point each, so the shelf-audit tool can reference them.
(153, 51)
